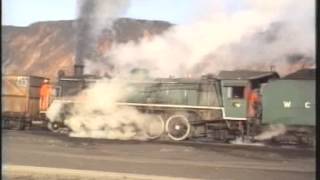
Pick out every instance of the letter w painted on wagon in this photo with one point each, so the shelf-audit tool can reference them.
(286, 104)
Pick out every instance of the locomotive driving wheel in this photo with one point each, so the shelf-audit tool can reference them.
(154, 128)
(53, 126)
(178, 127)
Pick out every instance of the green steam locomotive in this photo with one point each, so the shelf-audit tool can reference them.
(218, 107)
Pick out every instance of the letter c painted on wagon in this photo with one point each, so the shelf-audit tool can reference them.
(307, 105)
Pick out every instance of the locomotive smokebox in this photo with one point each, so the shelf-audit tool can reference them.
(78, 70)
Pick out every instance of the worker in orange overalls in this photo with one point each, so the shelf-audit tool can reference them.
(254, 102)
(45, 93)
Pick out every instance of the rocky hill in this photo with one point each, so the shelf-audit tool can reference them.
(44, 48)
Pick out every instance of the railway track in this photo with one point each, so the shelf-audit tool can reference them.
(42, 148)
(196, 142)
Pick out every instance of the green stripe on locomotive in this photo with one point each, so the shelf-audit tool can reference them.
(290, 102)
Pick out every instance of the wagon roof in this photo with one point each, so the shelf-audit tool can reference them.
(306, 74)
(246, 74)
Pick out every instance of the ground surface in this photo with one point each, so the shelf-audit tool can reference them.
(153, 160)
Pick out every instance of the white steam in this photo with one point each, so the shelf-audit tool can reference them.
(222, 40)
(241, 141)
(270, 132)
(261, 34)
(97, 114)
(53, 111)
(273, 130)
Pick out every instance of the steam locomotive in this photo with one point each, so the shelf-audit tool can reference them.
(215, 107)
(212, 107)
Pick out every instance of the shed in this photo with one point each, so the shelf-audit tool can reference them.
(303, 74)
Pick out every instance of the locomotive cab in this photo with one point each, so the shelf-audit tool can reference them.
(239, 88)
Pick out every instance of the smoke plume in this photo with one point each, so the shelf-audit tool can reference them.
(95, 17)
(257, 36)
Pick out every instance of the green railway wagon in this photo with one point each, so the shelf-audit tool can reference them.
(290, 101)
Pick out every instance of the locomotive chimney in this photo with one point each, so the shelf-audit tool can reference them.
(78, 70)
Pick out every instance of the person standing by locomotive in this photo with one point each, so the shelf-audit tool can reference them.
(254, 101)
(45, 93)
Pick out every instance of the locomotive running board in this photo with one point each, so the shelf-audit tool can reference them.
(185, 106)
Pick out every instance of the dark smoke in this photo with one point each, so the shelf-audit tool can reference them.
(271, 34)
(95, 20)
(298, 58)
(85, 41)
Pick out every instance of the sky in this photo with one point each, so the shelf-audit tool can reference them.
(26, 12)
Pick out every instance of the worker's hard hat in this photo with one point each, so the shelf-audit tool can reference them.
(45, 80)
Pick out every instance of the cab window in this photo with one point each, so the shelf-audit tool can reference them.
(235, 92)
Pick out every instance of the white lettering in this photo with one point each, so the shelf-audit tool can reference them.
(307, 105)
(286, 104)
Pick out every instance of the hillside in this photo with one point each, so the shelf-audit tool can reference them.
(43, 48)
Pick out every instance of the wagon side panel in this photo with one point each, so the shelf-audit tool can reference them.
(290, 102)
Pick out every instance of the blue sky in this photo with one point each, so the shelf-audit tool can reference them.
(25, 12)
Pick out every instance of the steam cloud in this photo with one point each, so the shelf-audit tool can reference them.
(96, 114)
(270, 132)
(273, 131)
(103, 118)
(260, 35)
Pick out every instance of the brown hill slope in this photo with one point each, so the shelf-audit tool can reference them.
(44, 48)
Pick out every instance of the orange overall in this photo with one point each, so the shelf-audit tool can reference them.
(45, 92)
(253, 100)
